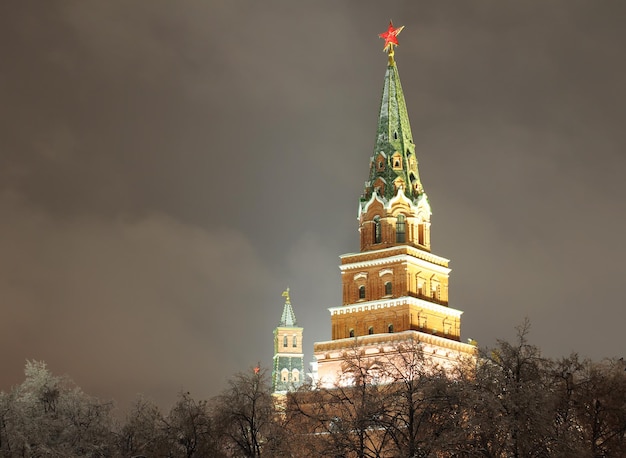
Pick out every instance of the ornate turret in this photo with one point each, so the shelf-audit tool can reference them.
(288, 367)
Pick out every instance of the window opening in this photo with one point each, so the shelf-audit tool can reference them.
(351, 332)
(362, 292)
(285, 341)
(401, 229)
(390, 328)
(388, 288)
(377, 231)
(295, 341)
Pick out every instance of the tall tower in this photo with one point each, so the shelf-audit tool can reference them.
(395, 290)
(288, 367)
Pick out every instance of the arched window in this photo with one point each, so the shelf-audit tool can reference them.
(295, 375)
(351, 332)
(295, 341)
(390, 328)
(377, 232)
(388, 288)
(401, 229)
(362, 292)
(284, 375)
(285, 341)
(370, 330)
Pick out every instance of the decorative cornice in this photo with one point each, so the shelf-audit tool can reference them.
(394, 255)
(390, 338)
(401, 249)
(387, 303)
(288, 355)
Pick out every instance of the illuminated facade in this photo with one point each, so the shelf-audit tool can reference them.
(395, 291)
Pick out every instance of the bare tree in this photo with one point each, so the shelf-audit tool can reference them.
(592, 407)
(512, 404)
(344, 420)
(423, 411)
(245, 414)
(189, 429)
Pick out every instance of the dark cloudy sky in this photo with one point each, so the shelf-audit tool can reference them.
(168, 168)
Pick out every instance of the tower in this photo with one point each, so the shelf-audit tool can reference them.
(395, 290)
(288, 365)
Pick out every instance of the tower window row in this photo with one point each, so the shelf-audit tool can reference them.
(400, 231)
(287, 376)
(286, 341)
(370, 330)
(388, 290)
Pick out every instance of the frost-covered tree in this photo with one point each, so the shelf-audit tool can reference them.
(511, 406)
(49, 415)
(142, 433)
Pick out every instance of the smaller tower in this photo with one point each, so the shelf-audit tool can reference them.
(288, 367)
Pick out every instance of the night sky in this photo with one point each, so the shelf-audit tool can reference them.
(167, 169)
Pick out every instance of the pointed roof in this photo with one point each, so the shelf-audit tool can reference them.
(393, 163)
(288, 318)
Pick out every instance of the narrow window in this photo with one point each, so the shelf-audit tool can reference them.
(420, 234)
(295, 341)
(388, 288)
(401, 229)
(370, 330)
(377, 235)
(362, 292)
(435, 291)
(395, 135)
(390, 328)
(284, 375)
(295, 377)
(351, 332)
(285, 341)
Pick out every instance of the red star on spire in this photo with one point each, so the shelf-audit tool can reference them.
(391, 37)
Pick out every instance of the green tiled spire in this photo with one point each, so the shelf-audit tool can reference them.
(288, 318)
(393, 163)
